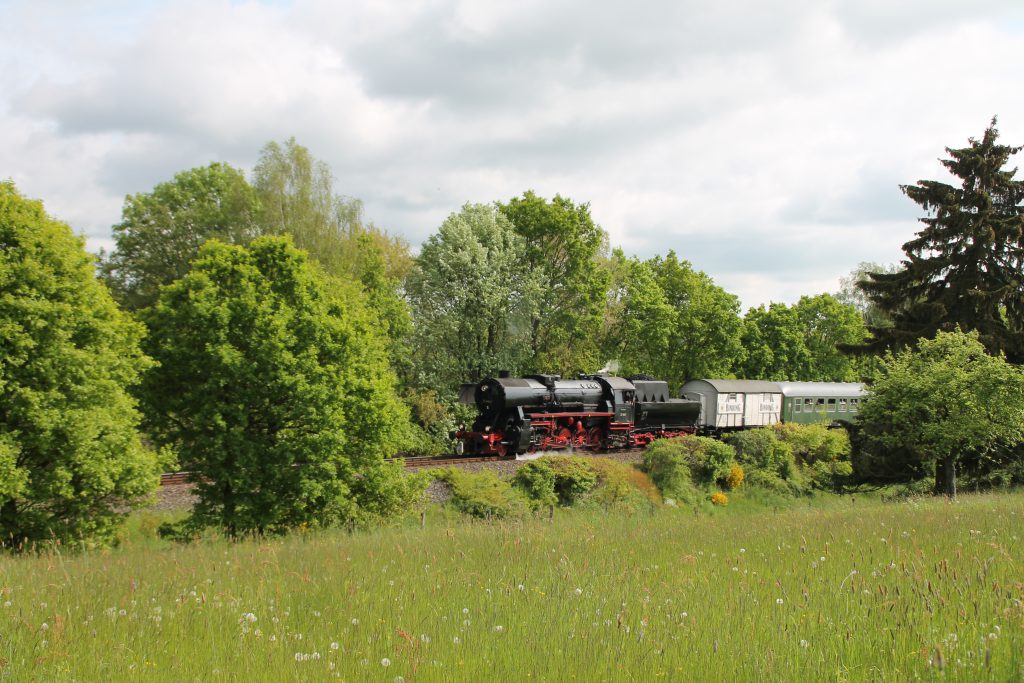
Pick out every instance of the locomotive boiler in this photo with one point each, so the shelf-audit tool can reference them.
(546, 412)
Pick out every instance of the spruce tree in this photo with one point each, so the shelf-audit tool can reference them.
(963, 270)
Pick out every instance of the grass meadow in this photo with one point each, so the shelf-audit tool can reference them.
(849, 590)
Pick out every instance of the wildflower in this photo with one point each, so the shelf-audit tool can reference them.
(44, 627)
(992, 636)
(248, 616)
(334, 646)
(272, 638)
(456, 640)
(683, 615)
(425, 638)
(499, 628)
(743, 550)
(123, 612)
(399, 679)
(7, 603)
(521, 587)
(465, 610)
(385, 662)
(355, 622)
(822, 558)
(804, 644)
(719, 498)
(579, 591)
(778, 601)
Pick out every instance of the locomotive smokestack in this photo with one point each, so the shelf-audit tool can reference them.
(504, 373)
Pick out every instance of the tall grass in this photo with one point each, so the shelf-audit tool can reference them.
(855, 591)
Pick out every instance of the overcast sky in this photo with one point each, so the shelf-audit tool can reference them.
(763, 141)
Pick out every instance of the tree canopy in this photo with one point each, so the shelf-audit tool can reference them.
(71, 464)
(964, 268)
(161, 231)
(472, 299)
(945, 400)
(562, 247)
(273, 384)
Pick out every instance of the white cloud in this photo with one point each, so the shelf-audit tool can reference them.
(764, 143)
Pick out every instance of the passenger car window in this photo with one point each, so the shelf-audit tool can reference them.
(831, 405)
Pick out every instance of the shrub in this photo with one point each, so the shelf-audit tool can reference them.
(735, 477)
(621, 486)
(761, 449)
(814, 442)
(482, 494)
(555, 480)
(720, 498)
(674, 463)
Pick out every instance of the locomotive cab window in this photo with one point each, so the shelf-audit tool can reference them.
(831, 405)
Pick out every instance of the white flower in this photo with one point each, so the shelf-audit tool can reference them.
(499, 628)
(579, 591)
(355, 622)
(385, 662)
(248, 616)
(520, 587)
(465, 610)
(804, 643)
(272, 638)
(425, 638)
(334, 646)
(822, 558)
(456, 640)
(122, 612)
(778, 601)
(7, 603)
(44, 627)
(743, 550)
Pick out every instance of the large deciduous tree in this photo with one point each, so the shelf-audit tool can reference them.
(705, 338)
(273, 385)
(161, 231)
(964, 268)
(944, 401)
(802, 342)
(296, 195)
(71, 465)
(562, 248)
(473, 299)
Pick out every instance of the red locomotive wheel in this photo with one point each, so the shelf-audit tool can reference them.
(564, 437)
(595, 438)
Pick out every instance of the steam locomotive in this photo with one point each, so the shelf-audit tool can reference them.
(546, 412)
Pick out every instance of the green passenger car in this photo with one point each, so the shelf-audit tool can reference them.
(814, 402)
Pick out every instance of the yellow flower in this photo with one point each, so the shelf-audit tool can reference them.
(719, 498)
(735, 477)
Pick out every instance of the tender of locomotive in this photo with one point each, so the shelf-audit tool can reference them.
(545, 412)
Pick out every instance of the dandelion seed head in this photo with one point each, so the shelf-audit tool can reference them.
(44, 627)
(499, 628)
(334, 646)
(355, 622)
(579, 591)
(778, 601)
(804, 644)
(385, 662)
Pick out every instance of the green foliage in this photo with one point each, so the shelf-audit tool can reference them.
(674, 463)
(639, 320)
(273, 385)
(161, 231)
(482, 494)
(558, 480)
(620, 486)
(765, 457)
(297, 198)
(562, 247)
(812, 443)
(71, 465)
(705, 337)
(472, 300)
(940, 402)
(802, 342)
(963, 269)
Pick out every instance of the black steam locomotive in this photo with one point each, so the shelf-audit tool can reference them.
(545, 412)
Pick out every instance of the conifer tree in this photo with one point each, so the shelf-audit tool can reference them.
(964, 267)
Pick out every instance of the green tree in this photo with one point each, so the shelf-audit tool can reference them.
(802, 342)
(562, 248)
(161, 231)
(639, 321)
(963, 270)
(296, 195)
(773, 339)
(273, 384)
(941, 402)
(706, 337)
(71, 465)
(851, 292)
(472, 299)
